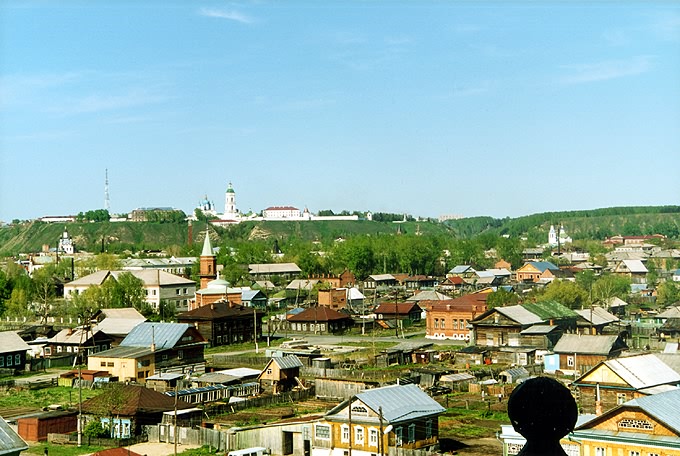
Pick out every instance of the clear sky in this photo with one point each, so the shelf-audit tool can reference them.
(498, 108)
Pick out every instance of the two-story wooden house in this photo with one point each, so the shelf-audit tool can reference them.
(383, 420)
(581, 352)
(221, 323)
(646, 426)
(152, 348)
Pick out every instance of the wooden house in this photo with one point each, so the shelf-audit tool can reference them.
(13, 351)
(379, 421)
(222, 323)
(532, 271)
(580, 353)
(615, 381)
(281, 374)
(399, 311)
(502, 326)
(319, 320)
(646, 426)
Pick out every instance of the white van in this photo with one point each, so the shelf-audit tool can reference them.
(254, 451)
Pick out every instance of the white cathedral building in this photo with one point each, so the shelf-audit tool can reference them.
(555, 238)
(232, 215)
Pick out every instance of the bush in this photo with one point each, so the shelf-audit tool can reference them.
(95, 430)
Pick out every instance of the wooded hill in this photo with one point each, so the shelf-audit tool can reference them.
(174, 237)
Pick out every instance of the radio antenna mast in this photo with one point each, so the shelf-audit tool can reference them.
(107, 204)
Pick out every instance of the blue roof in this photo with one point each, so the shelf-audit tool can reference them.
(400, 402)
(460, 269)
(164, 335)
(662, 406)
(247, 295)
(543, 265)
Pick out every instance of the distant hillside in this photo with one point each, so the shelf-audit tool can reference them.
(135, 236)
(592, 224)
(118, 237)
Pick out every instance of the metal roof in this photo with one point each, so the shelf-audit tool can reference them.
(538, 329)
(381, 277)
(287, 362)
(519, 314)
(643, 371)
(635, 266)
(274, 268)
(429, 295)
(663, 406)
(400, 402)
(163, 335)
(453, 378)
(461, 268)
(165, 376)
(585, 344)
(597, 316)
(10, 341)
(10, 442)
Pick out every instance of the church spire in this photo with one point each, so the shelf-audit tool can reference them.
(207, 247)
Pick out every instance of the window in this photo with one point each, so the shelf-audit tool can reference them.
(630, 423)
(109, 364)
(321, 431)
(180, 354)
(633, 453)
(570, 361)
(652, 454)
(323, 327)
(9, 360)
(48, 351)
(360, 410)
(436, 323)
(373, 437)
(17, 359)
(140, 374)
(412, 432)
(219, 339)
(359, 435)
(620, 398)
(399, 435)
(344, 434)
(428, 429)
(102, 364)
(2, 361)
(443, 324)
(455, 324)
(178, 291)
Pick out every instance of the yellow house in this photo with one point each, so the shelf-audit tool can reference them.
(126, 363)
(532, 270)
(646, 426)
(379, 421)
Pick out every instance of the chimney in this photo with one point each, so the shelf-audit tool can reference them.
(212, 306)
(69, 332)
(598, 402)
(448, 307)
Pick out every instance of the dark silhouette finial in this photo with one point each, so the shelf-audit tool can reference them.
(543, 411)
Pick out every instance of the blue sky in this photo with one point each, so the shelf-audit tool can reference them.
(424, 107)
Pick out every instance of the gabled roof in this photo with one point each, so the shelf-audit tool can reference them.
(643, 371)
(287, 362)
(219, 310)
(518, 313)
(635, 266)
(302, 284)
(163, 335)
(543, 265)
(549, 310)
(616, 302)
(538, 330)
(150, 277)
(662, 407)
(587, 344)
(75, 336)
(319, 314)
(382, 277)
(129, 400)
(597, 316)
(468, 303)
(461, 269)
(428, 295)
(670, 312)
(10, 341)
(274, 268)
(402, 308)
(10, 442)
(399, 403)
(119, 321)
(249, 295)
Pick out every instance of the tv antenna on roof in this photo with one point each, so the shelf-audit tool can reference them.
(107, 204)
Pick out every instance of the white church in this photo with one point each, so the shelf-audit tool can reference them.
(231, 214)
(555, 238)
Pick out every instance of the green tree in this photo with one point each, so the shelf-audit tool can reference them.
(609, 286)
(130, 291)
(567, 293)
(501, 298)
(43, 292)
(18, 304)
(107, 261)
(668, 293)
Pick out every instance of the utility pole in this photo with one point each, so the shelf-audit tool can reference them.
(257, 348)
(381, 443)
(175, 418)
(349, 447)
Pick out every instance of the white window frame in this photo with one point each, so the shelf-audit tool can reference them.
(411, 433)
(359, 435)
(372, 437)
(570, 361)
(327, 430)
(344, 433)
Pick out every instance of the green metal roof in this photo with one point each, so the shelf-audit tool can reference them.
(550, 309)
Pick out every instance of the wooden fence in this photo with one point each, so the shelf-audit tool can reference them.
(264, 401)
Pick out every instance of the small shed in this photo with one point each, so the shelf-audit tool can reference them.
(457, 382)
(166, 381)
(281, 373)
(35, 428)
(514, 375)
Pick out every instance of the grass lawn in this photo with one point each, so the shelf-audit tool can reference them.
(203, 451)
(60, 450)
(61, 395)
